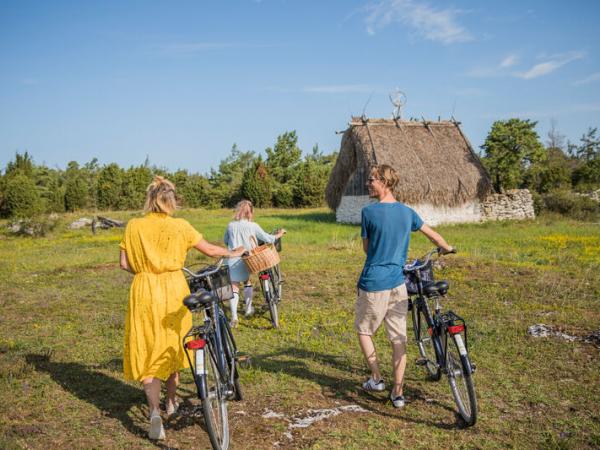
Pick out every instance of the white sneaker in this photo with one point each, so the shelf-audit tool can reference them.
(372, 385)
(397, 401)
(156, 431)
(249, 312)
(172, 408)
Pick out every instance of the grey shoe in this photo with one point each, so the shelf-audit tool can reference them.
(397, 401)
(249, 312)
(156, 430)
(372, 385)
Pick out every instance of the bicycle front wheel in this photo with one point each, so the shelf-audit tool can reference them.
(214, 403)
(425, 344)
(271, 299)
(461, 380)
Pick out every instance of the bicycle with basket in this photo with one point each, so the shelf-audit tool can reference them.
(264, 261)
(211, 349)
(441, 337)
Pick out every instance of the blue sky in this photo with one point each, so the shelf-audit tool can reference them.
(182, 81)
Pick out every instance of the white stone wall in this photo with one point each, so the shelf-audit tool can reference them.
(514, 204)
(350, 206)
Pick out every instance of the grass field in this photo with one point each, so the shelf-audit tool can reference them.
(63, 301)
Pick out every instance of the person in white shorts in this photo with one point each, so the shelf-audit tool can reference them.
(386, 227)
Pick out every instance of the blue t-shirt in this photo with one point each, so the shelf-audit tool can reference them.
(387, 226)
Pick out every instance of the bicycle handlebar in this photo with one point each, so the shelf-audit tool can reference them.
(206, 271)
(427, 258)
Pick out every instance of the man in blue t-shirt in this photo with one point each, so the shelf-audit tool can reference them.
(382, 295)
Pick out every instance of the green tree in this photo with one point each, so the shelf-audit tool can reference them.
(282, 162)
(311, 178)
(589, 149)
(76, 187)
(554, 172)
(21, 197)
(22, 164)
(511, 148)
(256, 185)
(225, 183)
(134, 183)
(109, 186)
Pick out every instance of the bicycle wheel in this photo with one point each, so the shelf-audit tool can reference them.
(277, 282)
(214, 405)
(231, 355)
(425, 344)
(461, 380)
(269, 291)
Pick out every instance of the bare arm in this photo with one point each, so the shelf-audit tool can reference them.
(215, 251)
(365, 244)
(124, 262)
(435, 237)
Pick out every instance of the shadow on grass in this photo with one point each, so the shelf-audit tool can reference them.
(295, 362)
(113, 397)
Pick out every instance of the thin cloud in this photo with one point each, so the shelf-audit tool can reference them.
(339, 89)
(587, 80)
(495, 70)
(438, 25)
(555, 62)
(509, 61)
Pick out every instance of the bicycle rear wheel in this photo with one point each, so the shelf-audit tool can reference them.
(460, 379)
(231, 356)
(214, 405)
(271, 299)
(425, 343)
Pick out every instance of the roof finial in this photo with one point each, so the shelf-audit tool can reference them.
(398, 99)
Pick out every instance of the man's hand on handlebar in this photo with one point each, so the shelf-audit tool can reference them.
(280, 233)
(446, 251)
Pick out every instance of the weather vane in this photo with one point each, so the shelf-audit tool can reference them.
(398, 99)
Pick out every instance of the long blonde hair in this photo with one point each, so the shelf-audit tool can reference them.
(244, 210)
(160, 196)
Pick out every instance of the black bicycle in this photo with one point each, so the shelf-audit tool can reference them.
(211, 349)
(441, 336)
(270, 285)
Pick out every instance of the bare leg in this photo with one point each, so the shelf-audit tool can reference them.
(152, 390)
(172, 384)
(399, 364)
(368, 349)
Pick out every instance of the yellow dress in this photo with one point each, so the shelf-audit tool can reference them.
(157, 320)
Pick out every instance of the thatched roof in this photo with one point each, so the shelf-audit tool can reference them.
(435, 162)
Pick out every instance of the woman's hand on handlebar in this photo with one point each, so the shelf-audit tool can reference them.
(236, 252)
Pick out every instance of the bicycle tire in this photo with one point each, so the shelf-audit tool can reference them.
(277, 282)
(425, 343)
(460, 380)
(268, 290)
(214, 406)
(231, 355)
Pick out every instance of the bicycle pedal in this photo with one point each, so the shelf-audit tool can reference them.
(421, 362)
(473, 368)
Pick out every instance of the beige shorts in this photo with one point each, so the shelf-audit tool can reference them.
(389, 307)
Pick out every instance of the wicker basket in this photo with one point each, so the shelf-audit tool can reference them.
(261, 258)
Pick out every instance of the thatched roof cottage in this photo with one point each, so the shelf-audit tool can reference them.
(441, 177)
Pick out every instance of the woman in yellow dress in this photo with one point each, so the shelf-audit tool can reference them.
(154, 249)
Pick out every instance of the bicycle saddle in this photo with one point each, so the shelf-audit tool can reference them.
(437, 288)
(199, 298)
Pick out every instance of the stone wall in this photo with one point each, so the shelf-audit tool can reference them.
(514, 204)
